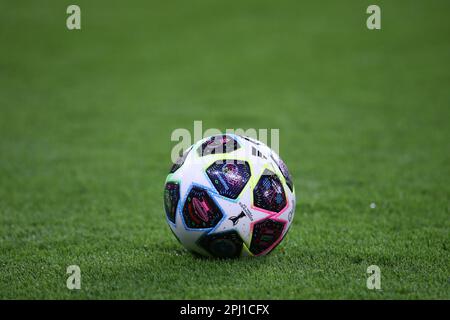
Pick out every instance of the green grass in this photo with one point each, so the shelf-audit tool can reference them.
(85, 125)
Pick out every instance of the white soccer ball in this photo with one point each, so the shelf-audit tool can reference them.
(229, 196)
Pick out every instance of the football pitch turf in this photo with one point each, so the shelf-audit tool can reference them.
(86, 119)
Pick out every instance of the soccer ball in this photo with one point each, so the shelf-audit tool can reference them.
(229, 196)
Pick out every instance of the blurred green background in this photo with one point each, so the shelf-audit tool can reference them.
(86, 118)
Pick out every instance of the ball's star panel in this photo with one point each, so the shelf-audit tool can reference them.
(200, 211)
(218, 144)
(230, 210)
(234, 214)
(229, 177)
(269, 193)
(266, 234)
(175, 235)
(251, 140)
(171, 198)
